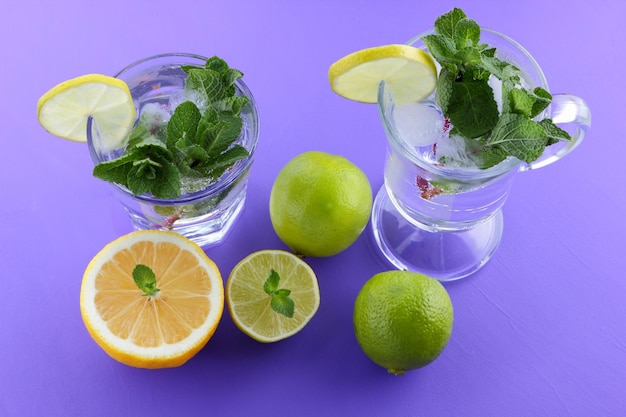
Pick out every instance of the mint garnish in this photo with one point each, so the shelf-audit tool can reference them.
(145, 279)
(467, 100)
(280, 302)
(195, 143)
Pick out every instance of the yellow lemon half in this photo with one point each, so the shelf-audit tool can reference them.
(162, 330)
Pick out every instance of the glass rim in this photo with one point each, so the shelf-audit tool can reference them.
(227, 178)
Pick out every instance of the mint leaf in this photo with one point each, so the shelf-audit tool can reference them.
(491, 156)
(218, 130)
(271, 284)
(520, 102)
(528, 103)
(492, 65)
(216, 64)
(228, 75)
(194, 154)
(466, 33)
(509, 75)
(553, 132)
(280, 301)
(216, 167)
(468, 56)
(446, 23)
(144, 168)
(208, 83)
(443, 50)
(283, 305)
(519, 136)
(145, 279)
(115, 170)
(468, 103)
(183, 124)
(233, 104)
(542, 101)
(155, 175)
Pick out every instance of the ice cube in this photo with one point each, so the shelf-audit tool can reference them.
(453, 151)
(419, 124)
(154, 114)
(195, 97)
(496, 86)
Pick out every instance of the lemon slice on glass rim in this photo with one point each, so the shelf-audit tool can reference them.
(410, 74)
(64, 109)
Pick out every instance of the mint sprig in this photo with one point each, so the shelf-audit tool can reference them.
(194, 143)
(467, 100)
(145, 279)
(280, 301)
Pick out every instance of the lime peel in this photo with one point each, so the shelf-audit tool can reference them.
(402, 320)
(320, 204)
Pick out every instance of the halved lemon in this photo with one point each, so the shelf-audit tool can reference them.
(258, 290)
(409, 72)
(160, 329)
(64, 109)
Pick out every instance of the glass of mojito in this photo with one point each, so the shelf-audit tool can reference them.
(184, 167)
(452, 158)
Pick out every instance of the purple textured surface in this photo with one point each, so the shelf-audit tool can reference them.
(540, 331)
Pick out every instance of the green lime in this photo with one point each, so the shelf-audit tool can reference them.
(402, 320)
(320, 203)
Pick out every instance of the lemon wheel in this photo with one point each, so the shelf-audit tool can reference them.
(409, 72)
(64, 110)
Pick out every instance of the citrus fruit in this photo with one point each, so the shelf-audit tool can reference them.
(320, 203)
(272, 295)
(63, 110)
(151, 324)
(409, 72)
(402, 320)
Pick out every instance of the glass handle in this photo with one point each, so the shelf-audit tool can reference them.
(572, 114)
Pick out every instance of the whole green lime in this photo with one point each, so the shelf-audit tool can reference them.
(320, 203)
(402, 320)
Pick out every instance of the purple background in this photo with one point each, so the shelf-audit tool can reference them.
(540, 331)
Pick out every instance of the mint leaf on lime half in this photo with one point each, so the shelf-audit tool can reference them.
(280, 301)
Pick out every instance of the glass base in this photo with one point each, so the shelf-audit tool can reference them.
(207, 230)
(444, 255)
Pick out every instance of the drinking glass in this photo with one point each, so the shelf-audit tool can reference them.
(204, 216)
(446, 221)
